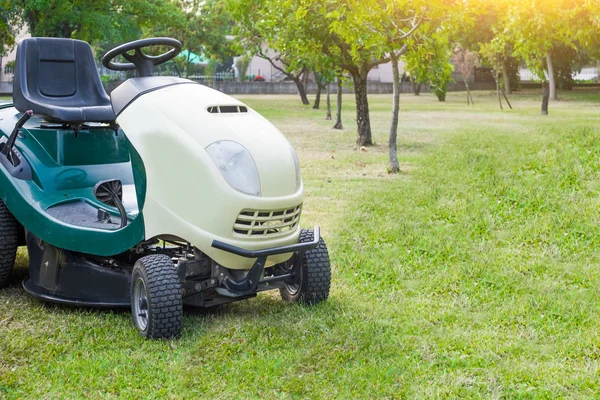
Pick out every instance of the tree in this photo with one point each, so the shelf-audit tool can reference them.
(208, 28)
(440, 65)
(242, 64)
(355, 38)
(484, 33)
(338, 115)
(321, 82)
(202, 27)
(536, 30)
(95, 21)
(10, 22)
(466, 61)
(397, 25)
(328, 116)
(495, 53)
(428, 60)
(358, 35)
(266, 28)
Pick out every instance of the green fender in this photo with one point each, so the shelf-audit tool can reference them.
(66, 168)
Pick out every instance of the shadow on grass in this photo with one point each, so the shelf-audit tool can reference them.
(197, 320)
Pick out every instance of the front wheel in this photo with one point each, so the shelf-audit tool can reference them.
(313, 277)
(156, 302)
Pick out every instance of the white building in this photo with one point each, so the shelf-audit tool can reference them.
(262, 67)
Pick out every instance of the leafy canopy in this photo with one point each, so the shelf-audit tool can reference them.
(96, 21)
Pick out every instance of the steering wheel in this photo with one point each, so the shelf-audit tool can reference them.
(140, 61)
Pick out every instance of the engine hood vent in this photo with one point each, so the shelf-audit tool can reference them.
(227, 109)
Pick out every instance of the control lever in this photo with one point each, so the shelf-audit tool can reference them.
(7, 149)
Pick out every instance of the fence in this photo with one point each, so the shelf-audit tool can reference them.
(278, 88)
(586, 75)
(219, 76)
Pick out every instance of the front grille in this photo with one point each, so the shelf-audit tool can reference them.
(267, 223)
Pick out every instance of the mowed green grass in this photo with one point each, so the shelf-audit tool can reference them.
(473, 273)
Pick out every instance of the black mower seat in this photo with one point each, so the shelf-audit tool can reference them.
(57, 78)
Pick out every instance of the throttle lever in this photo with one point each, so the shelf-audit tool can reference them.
(7, 149)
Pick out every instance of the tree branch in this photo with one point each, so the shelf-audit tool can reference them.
(290, 75)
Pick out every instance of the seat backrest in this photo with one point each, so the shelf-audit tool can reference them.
(58, 78)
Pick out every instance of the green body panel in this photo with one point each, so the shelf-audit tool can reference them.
(66, 168)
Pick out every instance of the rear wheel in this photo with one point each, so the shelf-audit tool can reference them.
(313, 277)
(9, 241)
(156, 302)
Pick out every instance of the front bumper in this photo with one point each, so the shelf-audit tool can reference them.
(238, 251)
(250, 283)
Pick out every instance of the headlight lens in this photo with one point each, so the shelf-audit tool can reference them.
(236, 166)
(297, 165)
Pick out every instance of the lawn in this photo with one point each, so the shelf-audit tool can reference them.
(473, 273)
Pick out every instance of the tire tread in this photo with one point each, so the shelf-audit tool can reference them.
(164, 295)
(9, 242)
(316, 270)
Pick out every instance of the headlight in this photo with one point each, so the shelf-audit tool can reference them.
(236, 166)
(297, 165)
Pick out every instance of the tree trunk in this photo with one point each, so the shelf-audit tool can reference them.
(506, 78)
(338, 117)
(328, 117)
(363, 121)
(416, 87)
(394, 166)
(318, 98)
(177, 70)
(305, 80)
(551, 77)
(497, 79)
(506, 98)
(301, 91)
(469, 97)
(545, 97)
(187, 65)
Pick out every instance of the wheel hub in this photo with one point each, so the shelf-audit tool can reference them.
(140, 302)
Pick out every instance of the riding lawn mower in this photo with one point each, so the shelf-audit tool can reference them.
(167, 193)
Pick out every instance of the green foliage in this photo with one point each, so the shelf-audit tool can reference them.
(440, 78)
(210, 28)
(272, 24)
(211, 70)
(242, 64)
(559, 23)
(109, 79)
(96, 21)
(10, 23)
(512, 68)
(201, 26)
(10, 64)
(428, 60)
(568, 60)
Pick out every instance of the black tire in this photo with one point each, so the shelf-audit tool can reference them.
(313, 283)
(163, 304)
(9, 242)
